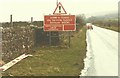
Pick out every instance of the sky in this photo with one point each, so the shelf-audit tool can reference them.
(23, 10)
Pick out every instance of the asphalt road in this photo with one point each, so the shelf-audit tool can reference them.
(102, 53)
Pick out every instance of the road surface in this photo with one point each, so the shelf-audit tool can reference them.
(102, 53)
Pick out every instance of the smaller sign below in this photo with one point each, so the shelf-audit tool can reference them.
(59, 23)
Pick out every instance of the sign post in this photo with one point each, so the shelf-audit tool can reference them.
(50, 38)
(69, 35)
(59, 21)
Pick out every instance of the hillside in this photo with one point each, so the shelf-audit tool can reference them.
(109, 21)
(109, 16)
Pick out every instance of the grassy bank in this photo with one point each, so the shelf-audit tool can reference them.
(54, 61)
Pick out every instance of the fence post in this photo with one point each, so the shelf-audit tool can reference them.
(11, 22)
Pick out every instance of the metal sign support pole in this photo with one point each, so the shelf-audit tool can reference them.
(50, 38)
(69, 39)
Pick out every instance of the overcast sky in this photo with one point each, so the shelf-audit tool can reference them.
(23, 10)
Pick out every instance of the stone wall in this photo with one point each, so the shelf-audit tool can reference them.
(22, 39)
(16, 41)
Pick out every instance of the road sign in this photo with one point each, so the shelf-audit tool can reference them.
(59, 23)
(60, 8)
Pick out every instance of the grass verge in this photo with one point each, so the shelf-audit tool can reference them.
(54, 61)
(114, 28)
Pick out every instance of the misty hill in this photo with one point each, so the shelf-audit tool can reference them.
(110, 19)
(109, 16)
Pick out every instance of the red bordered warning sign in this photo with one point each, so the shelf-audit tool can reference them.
(60, 7)
(59, 21)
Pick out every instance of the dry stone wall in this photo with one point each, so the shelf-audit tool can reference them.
(16, 41)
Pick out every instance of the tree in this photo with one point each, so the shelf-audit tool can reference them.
(80, 21)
